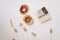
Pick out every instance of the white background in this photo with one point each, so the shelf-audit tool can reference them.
(10, 9)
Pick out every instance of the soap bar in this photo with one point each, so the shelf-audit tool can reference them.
(43, 15)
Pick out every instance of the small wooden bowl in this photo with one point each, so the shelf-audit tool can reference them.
(28, 19)
(24, 9)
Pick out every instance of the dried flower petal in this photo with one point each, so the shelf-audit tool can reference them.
(20, 24)
(13, 38)
(51, 31)
(15, 30)
(33, 34)
(24, 29)
(11, 22)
